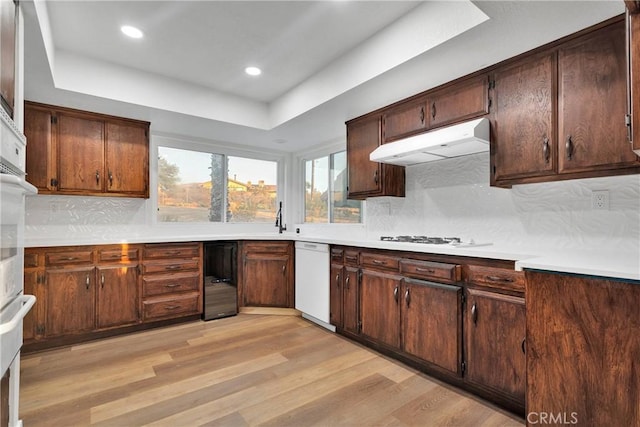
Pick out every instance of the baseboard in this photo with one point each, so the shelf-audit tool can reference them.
(270, 310)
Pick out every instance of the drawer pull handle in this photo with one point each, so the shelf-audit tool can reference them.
(569, 148)
(68, 258)
(338, 280)
(118, 256)
(474, 314)
(500, 279)
(425, 270)
(171, 307)
(378, 262)
(172, 285)
(545, 150)
(524, 345)
(97, 177)
(407, 297)
(352, 258)
(102, 281)
(346, 282)
(173, 267)
(88, 282)
(395, 294)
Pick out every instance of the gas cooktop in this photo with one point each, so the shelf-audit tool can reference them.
(452, 241)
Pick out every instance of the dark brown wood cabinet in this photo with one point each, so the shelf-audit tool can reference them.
(81, 153)
(465, 99)
(172, 281)
(70, 301)
(118, 290)
(351, 300)
(592, 95)
(555, 111)
(524, 118)
(8, 28)
(335, 293)
(408, 118)
(379, 306)
(583, 347)
(367, 178)
(266, 274)
(633, 59)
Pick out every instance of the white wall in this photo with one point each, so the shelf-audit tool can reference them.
(453, 198)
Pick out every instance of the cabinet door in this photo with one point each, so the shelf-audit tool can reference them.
(41, 171)
(365, 176)
(80, 154)
(524, 116)
(30, 322)
(335, 295)
(633, 26)
(461, 101)
(432, 323)
(403, 120)
(592, 102)
(8, 54)
(70, 301)
(380, 308)
(127, 159)
(350, 298)
(117, 303)
(266, 280)
(494, 337)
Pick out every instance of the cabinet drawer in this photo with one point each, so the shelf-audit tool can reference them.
(269, 247)
(496, 277)
(437, 271)
(190, 250)
(379, 261)
(337, 255)
(166, 284)
(68, 258)
(351, 257)
(175, 306)
(115, 255)
(170, 266)
(31, 259)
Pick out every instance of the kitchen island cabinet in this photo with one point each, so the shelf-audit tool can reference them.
(80, 153)
(266, 275)
(367, 178)
(583, 347)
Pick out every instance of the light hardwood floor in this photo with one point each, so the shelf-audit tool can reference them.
(240, 371)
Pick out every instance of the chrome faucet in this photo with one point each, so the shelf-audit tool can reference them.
(279, 224)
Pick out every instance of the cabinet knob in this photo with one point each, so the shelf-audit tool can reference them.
(375, 177)
(395, 294)
(338, 280)
(97, 177)
(474, 314)
(524, 345)
(433, 110)
(422, 115)
(407, 297)
(102, 281)
(110, 179)
(88, 282)
(346, 282)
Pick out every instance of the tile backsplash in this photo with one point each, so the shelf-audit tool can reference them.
(453, 198)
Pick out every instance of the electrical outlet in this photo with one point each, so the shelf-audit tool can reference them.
(600, 200)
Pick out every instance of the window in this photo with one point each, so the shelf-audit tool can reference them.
(196, 186)
(326, 191)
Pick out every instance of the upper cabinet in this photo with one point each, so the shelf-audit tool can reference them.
(559, 113)
(80, 153)
(406, 118)
(633, 40)
(8, 22)
(463, 100)
(367, 178)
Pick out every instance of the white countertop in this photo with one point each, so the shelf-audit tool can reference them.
(620, 264)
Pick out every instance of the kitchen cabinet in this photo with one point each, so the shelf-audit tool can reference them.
(524, 119)
(462, 100)
(266, 276)
(336, 285)
(367, 178)
(555, 109)
(8, 28)
(592, 102)
(81, 153)
(582, 348)
(405, 119)
(495, 331)
(633, 59)
(171, 280)
(117, 303)
(70, 301)
(379, 307)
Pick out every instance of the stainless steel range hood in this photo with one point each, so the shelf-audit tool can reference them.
(453, 141)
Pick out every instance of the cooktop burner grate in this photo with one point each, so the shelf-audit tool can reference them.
(422, 239)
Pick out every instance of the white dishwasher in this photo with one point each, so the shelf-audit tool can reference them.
(312, 282)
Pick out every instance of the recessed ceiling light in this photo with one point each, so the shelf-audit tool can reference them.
(132, 32)
(253, 71)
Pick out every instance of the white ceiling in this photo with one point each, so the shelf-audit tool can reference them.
(323, 62)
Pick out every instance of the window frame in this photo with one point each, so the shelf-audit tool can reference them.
(303, 158)
(212, 147)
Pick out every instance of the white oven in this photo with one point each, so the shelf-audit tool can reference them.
(14, 305)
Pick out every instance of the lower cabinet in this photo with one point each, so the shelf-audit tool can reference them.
(495, 342)
(82, 291)
(266, 276)
(461, 322)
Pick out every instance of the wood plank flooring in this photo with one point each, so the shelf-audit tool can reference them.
(246, 370)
